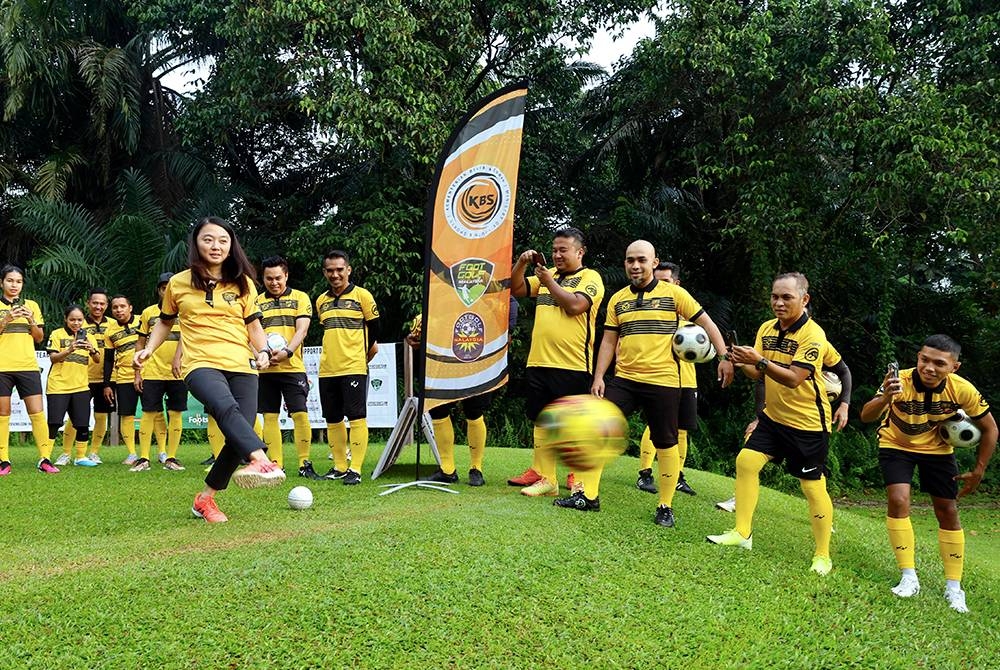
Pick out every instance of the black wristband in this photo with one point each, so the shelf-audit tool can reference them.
(289, 352)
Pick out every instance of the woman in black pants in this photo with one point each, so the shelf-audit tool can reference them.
(224, 346)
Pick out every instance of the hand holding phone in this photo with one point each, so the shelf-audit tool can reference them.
(538, 259)
(893, 370)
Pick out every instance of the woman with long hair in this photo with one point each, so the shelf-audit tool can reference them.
(71, 348)
(224, 346)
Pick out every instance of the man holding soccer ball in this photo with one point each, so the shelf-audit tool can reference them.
(911, 405)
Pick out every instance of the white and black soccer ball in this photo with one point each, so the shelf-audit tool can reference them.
(691, 344)
(275, 342)
(960, 432)
(834, 387)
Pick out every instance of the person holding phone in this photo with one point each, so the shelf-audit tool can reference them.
(561, 358)
(71, 349)
(20, 330)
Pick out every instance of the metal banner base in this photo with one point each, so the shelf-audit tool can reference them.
(437, 486)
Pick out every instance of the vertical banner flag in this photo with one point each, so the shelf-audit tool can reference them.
(470, 237)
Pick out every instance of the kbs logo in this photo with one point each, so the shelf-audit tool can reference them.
(470, 278)
(477, 201)
(469, 338)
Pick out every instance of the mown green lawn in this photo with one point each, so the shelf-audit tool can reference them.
(102, 568)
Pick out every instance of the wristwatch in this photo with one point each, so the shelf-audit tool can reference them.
(762, 364)
(722, 357)
(288, 352)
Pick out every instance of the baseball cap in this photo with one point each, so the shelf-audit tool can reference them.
(164, 278)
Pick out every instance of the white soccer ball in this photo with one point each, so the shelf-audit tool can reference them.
(300, 497)
(960, 432)
(691, 344)
(275, 342)
(833, 385)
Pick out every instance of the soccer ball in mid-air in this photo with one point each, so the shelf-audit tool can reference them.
(300, 497)
(584, 431)
(833, 385)
(959, 431)
(275, 342)
(691, 344)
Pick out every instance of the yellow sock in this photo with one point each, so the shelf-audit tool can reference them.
(646, 451)
(5, 438)
(591, 481)
(475, 429)
(69, 438)
(951, 544)
(749, 463)
(81, 449)
(215, 437)
(545, 459)
(100, 430)
(682, 447)
(258, 427)
(336, 435)
(668, 467)
(302, 434)
(538, 437)
(820, 513)
(40, 431)
(903, 541)
(160, 431)
(147, 425)
(444, 436)
(272, 438)
(127, 428)
(359, 443)
(175, 425)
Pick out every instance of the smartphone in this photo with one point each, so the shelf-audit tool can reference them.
(538, 259)
(731, 338)
(81, 335)
(893, 370)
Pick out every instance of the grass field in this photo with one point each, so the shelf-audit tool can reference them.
(102, 568)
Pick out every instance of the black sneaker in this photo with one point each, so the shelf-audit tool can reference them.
(476, 478)
(646, 482)
(580, 502)
(307, 471)
(441, 478)
(334, 473)
(352, 478)
(209, 461)
(683, 486)
(664, 517)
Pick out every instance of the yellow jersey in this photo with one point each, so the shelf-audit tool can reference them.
(95, 368)
(120, 340)
(559, 340)
(345, 331)
(17, 347)
(158, 367)
(281, 314)
(70, 374)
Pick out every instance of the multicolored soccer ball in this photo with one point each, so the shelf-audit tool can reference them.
(960, 432)
(691, 344)
(834, 387)
(300, 497)
(584, 431)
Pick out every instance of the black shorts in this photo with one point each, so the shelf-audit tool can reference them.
(804, 451)
(76, 404)
(937, 471)
(543, 385)
(27, 383)
(659, 405)
(101, 406)
(153, 391)
(687, 413)
(271, 386)
(473, 407)
(346, 395)
(126, 398)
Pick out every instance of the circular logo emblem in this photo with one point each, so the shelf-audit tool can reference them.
(477, 201)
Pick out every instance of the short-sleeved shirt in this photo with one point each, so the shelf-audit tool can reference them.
(70, 374)
(689, 376)
(17, 346)
(802, 345)
(281, 314)
(912, 419)
(559, 340)
(646, 320)
(120, 340)
(95, 368)
(159, 366)
(345, 331)
(213, 324)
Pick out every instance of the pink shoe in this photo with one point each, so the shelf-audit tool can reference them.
(4, 468)
(45, 466)
(204, 507)
(258, 475)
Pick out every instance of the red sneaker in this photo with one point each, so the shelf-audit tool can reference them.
(46, 466)
(4, 468)
(526, 478)
(259, 474)
(204, 507)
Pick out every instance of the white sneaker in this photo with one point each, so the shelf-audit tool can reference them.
(85, 462)
(908, 587)
(130, 459)
(956, 600)
(731, 538)
(94, 457)
(162, 457)
(727, 505)
(63, 459)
